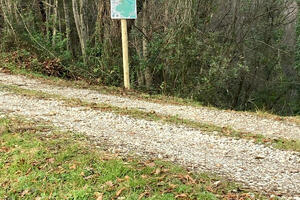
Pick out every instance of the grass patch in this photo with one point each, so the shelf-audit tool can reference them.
(280, 143)
(37, 164)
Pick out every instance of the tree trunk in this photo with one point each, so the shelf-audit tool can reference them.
(288, 58)
(68, 25)
(235, 7)
(83, 26)
(289, 39)
(138, 47)
(79, 22)
(59, 22)
(48, 19)
(5, 6)
(166, 20)
(148, 74)
(100, 24)
(55, 22)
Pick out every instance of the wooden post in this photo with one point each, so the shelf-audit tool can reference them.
(125, 53)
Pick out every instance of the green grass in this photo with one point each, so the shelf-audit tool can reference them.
(37, 162)
(280, 143)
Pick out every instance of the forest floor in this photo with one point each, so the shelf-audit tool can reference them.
(259, 151)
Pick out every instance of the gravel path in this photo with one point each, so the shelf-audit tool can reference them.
(256, 166)
(239, 121)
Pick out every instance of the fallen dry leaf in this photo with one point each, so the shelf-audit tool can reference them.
(120, 191)
(109, 183)
(226, 131)
(231, 196)
(161, 183)
(120, 180)
(89, 177)
(28, 171)
(99, 196)
(2, 129)
(143, 195)
(157, 171)
(18, 172)
(73, 166)
(131, 133)
(190, 179)
(152, 164)
(144, 176)
(60, 170)
(165, 170)
(173, 186)
(218, 165)
(161, 178)
(24, 192)
(210, 189)
(266, 140)
(50, 160)
(4, 149)
(181, 196)
(217, 183)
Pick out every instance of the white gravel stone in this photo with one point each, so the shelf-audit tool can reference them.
(245, 122)
(274, 171)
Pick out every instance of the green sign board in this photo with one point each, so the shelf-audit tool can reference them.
(123, 9)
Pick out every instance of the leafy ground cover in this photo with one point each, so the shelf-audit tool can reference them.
(38, 162)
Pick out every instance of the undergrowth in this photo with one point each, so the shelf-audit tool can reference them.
(37, 162)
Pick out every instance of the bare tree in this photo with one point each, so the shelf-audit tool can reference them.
(80, 25)
(68, 24)
(55, 20)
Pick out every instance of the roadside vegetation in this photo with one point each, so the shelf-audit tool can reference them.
(39, 162)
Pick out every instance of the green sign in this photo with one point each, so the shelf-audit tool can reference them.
(123, 9)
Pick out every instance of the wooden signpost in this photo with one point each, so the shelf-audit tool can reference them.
(125, 53)
(123, 10)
